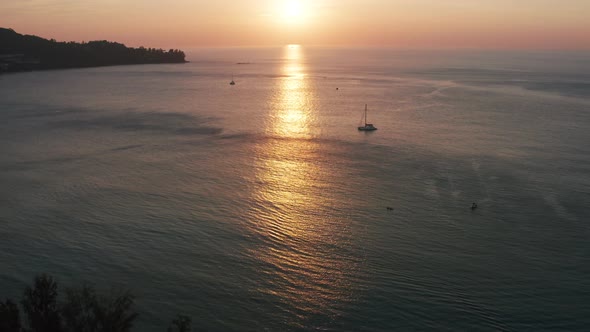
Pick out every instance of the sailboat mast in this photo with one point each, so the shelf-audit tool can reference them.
(365, 114)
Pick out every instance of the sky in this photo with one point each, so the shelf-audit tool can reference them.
(485, 24)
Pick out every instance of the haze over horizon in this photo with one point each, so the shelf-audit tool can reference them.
(502, 24)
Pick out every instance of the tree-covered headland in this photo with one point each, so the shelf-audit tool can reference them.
(26, 52)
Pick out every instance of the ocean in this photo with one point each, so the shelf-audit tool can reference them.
(261, 207)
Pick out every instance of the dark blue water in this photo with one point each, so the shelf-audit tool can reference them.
(260, 206)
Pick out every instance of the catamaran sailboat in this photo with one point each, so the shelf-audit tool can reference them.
(367, 126)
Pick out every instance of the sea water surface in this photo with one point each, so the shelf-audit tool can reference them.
(260, 206)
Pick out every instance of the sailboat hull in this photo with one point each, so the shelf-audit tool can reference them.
(367, 127)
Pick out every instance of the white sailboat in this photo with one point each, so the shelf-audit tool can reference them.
(367, 126)
(232, 80)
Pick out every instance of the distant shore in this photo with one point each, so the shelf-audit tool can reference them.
(28, 53)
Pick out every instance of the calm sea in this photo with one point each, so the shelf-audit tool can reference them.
(260, 206)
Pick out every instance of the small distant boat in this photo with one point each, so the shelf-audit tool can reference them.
(367, 126)
(232, 80)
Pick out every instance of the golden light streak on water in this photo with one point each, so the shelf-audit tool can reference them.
(303, 256)
(292, 106)
(287, 159)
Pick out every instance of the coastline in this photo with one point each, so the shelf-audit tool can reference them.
(22, 53)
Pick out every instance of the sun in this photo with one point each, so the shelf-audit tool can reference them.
(292, 11)
(292, 8)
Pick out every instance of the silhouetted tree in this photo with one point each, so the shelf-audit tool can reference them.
(114, 313)
(9, 317)
(84, 311)
(40, 305)
(79, 310)
(180, 324)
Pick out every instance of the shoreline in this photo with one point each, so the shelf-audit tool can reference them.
(7, 72)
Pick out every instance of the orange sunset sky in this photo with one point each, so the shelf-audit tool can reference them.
(535, 24)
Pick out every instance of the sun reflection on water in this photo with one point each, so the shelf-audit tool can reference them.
(294, 209)
(293, 104)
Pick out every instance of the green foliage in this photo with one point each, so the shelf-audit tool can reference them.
(180, 324)
(85, 311)
(114, 312)
(40, 305)
(9, 317)
(52, 54)
(81, 310)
